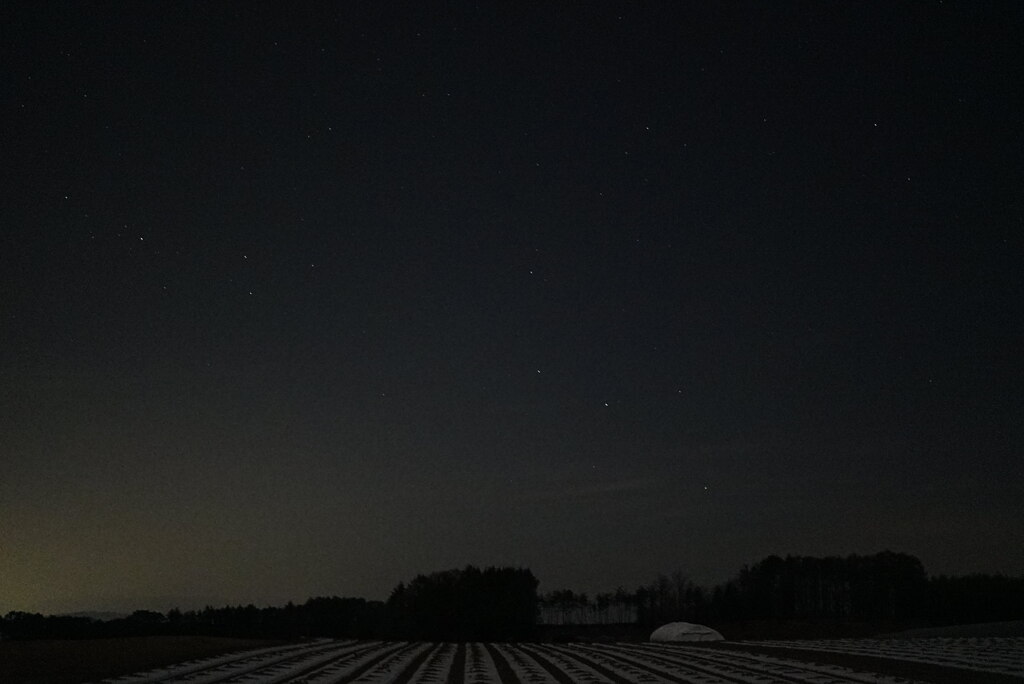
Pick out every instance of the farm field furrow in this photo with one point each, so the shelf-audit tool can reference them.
(479, 666)
(436, 666)
(348, 667)
(693, 666)
(216, 668)
(392, 667)
(746, 665)
(525, 668)
(998, 655)
(550, 663)
(576, 663)
(343, 662)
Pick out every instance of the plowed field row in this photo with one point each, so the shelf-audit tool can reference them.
(339, 662)
(1000, 655)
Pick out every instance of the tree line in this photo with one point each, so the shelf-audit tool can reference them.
(884, 587)
(321, 616)
(502, 604)
(469, 604)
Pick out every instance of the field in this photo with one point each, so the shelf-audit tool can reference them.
(988, 654)
(963, 661)
(76, 661)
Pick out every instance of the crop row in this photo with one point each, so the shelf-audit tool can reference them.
(337, 662)
(1000, 655)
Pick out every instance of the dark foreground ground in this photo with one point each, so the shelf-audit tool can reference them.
(90, 660)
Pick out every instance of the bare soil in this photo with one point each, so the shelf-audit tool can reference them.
(919, 672)
(91, 660)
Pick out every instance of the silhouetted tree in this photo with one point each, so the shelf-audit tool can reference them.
(885, 586)
(975, 598)
(468, 604)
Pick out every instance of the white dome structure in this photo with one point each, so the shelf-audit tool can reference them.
(685, 631)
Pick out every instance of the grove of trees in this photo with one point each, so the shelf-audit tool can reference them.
(496, 604)
(884, 587)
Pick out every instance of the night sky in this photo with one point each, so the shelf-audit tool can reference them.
(306, 299)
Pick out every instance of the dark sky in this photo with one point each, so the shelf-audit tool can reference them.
(304, 300)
